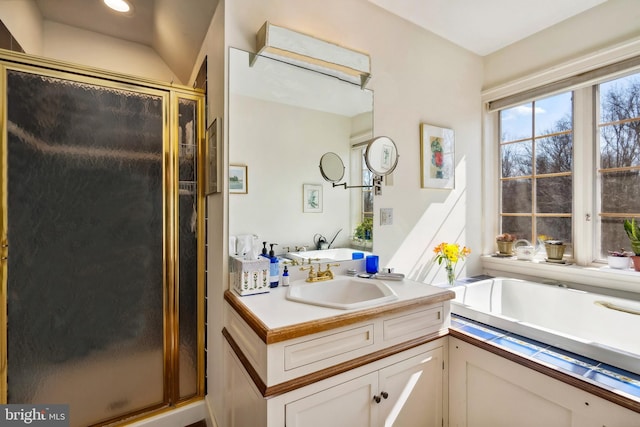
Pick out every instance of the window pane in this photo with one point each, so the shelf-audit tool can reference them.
(554, 154)
(616, 100)
(553, 114)
(516, 196)
(621, 192)
(516, 159)
(553, 195)
(620, 144)
(613, 236)
(619, 149)
(518, 225)
(555, 228)
(516, 123)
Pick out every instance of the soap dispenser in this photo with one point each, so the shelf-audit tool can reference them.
(274, 270)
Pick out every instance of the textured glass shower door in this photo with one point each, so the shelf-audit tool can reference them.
(85, 272)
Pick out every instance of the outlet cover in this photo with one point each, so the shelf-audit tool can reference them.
(386, 216)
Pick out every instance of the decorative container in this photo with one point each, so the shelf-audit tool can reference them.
(505, 248)
(249, 277)
(619, 262)
(555, 249)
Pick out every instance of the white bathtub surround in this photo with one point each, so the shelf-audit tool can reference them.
(598, 326)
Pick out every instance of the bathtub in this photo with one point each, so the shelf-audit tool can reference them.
(325, 255)
(597, 326)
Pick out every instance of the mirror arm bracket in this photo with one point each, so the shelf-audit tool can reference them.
(344, 184)
(377, 185)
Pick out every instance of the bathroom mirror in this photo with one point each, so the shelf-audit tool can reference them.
(331, 167)
(381, 156)
(281, 120)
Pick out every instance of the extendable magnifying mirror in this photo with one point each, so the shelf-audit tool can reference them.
(332, 168)
(381, 158)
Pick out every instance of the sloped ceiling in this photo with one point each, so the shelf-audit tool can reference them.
(485, 26)
(174, 29)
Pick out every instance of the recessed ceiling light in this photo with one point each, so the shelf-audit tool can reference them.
(118, 5)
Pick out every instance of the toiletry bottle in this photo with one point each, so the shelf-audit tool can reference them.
(285, 276)
(274, 268)
(264, 249)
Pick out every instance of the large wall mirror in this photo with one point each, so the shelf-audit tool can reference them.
(282, 119)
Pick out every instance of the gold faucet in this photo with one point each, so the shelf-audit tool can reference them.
(320, 275)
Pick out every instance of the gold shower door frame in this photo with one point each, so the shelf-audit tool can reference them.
(170, 94)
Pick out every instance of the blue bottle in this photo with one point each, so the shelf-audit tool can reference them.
(274, 268)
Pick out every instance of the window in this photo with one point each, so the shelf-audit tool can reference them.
(363, 209)
(536, 162)
(539, 193)
(618, 170)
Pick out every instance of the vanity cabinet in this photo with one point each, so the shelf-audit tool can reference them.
(384, 366)
(406, 393)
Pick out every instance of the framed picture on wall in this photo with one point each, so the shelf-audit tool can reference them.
(213, 157)
(437, 157)
(238, 179)
(311, 198)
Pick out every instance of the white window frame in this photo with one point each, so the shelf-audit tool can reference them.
(585, 271)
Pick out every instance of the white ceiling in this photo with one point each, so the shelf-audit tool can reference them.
(174, 29)
(485, 26)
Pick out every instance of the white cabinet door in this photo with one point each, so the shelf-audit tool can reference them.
(345, 405)
(411, 392)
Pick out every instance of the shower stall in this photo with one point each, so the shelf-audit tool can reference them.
(102, 233)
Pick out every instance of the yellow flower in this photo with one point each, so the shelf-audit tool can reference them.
(450, 253)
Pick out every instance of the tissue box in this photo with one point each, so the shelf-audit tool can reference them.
(249, 277)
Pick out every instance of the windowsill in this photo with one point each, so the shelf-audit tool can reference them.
(601, 277)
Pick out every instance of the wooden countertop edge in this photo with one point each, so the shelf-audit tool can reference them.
(271, 336)
(549, 371)
(320, 375)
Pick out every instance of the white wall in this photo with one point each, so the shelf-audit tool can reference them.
(24, 21)
(280, 160)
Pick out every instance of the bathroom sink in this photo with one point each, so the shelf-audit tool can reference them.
(342, 292)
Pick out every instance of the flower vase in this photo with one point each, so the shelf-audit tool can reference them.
(451, 278)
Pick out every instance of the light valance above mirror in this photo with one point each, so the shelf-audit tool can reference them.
(312, 53)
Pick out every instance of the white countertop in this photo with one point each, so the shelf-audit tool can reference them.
(275, 311)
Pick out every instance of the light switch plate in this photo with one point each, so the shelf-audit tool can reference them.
(386, 216)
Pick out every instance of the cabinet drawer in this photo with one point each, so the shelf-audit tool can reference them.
(412, 325)
(322, 348)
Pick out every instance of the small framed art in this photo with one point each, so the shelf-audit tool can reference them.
(238, 179)
(311, 198)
